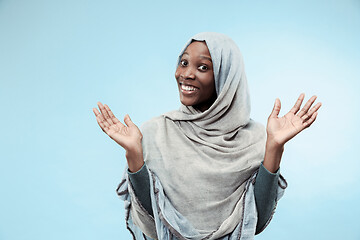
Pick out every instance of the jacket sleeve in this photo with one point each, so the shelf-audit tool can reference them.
(265, 191)
(141, 183)
(138, 220)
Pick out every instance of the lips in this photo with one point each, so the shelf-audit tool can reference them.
(187, 88)
(187, 84)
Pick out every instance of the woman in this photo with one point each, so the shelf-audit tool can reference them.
(206, 171)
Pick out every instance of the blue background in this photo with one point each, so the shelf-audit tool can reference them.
(59, 171)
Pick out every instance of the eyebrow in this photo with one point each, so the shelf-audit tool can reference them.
(205, 57)
(201, 56)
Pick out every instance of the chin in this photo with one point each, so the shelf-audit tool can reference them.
(187, 103)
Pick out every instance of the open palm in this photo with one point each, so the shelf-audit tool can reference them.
(128, 136)
(282, 129)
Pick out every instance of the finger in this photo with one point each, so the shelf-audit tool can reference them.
(276, 109)
(102, 122)
(98, 119)
(118, 125)
(102, 125)
(112, 116)
(298, 103)
(310, 121)
(105, 113)
(97, 113)
(128, 121)
(313, 110)
(307, 106)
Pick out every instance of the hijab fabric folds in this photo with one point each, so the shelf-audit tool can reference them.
(201, 164)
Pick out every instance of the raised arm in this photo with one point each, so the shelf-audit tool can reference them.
(282, 129)
(127, 136)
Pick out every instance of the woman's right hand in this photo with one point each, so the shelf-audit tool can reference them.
(128, 136)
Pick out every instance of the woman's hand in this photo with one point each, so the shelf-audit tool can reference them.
(128, 136)
(281, 130)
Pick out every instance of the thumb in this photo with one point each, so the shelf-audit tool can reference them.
(276, 110)
(128, 121)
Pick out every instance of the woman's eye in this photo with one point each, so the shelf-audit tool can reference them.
(183, 63)
(203, 68)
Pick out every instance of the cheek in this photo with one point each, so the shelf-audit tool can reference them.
(210, 81)
(211, 85)
(177, 73)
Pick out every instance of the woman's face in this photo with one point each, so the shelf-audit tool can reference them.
(195, 77)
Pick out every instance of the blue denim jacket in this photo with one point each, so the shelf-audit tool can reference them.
(169, 224)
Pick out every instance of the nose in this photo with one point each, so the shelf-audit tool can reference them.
(188, 73)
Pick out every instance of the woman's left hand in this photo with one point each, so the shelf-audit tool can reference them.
(280, 130)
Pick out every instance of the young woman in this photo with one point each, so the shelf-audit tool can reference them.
(205, 171)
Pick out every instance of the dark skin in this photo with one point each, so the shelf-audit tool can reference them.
(195, 72)
(195, 79)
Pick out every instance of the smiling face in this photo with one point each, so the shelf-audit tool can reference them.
(195, 77)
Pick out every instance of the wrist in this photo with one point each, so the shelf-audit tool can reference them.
(273, 145)
(134, 159)
(273, 154)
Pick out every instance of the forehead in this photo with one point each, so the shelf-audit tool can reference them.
(197, 48)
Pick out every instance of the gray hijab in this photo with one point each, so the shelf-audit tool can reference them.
(203, 159)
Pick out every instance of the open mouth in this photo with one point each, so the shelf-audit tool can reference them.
(187, 88)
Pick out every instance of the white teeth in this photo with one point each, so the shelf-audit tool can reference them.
(187, 88)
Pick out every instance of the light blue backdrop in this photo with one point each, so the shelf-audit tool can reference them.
(59, 171)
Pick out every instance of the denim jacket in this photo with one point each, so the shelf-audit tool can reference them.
(169, 224)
